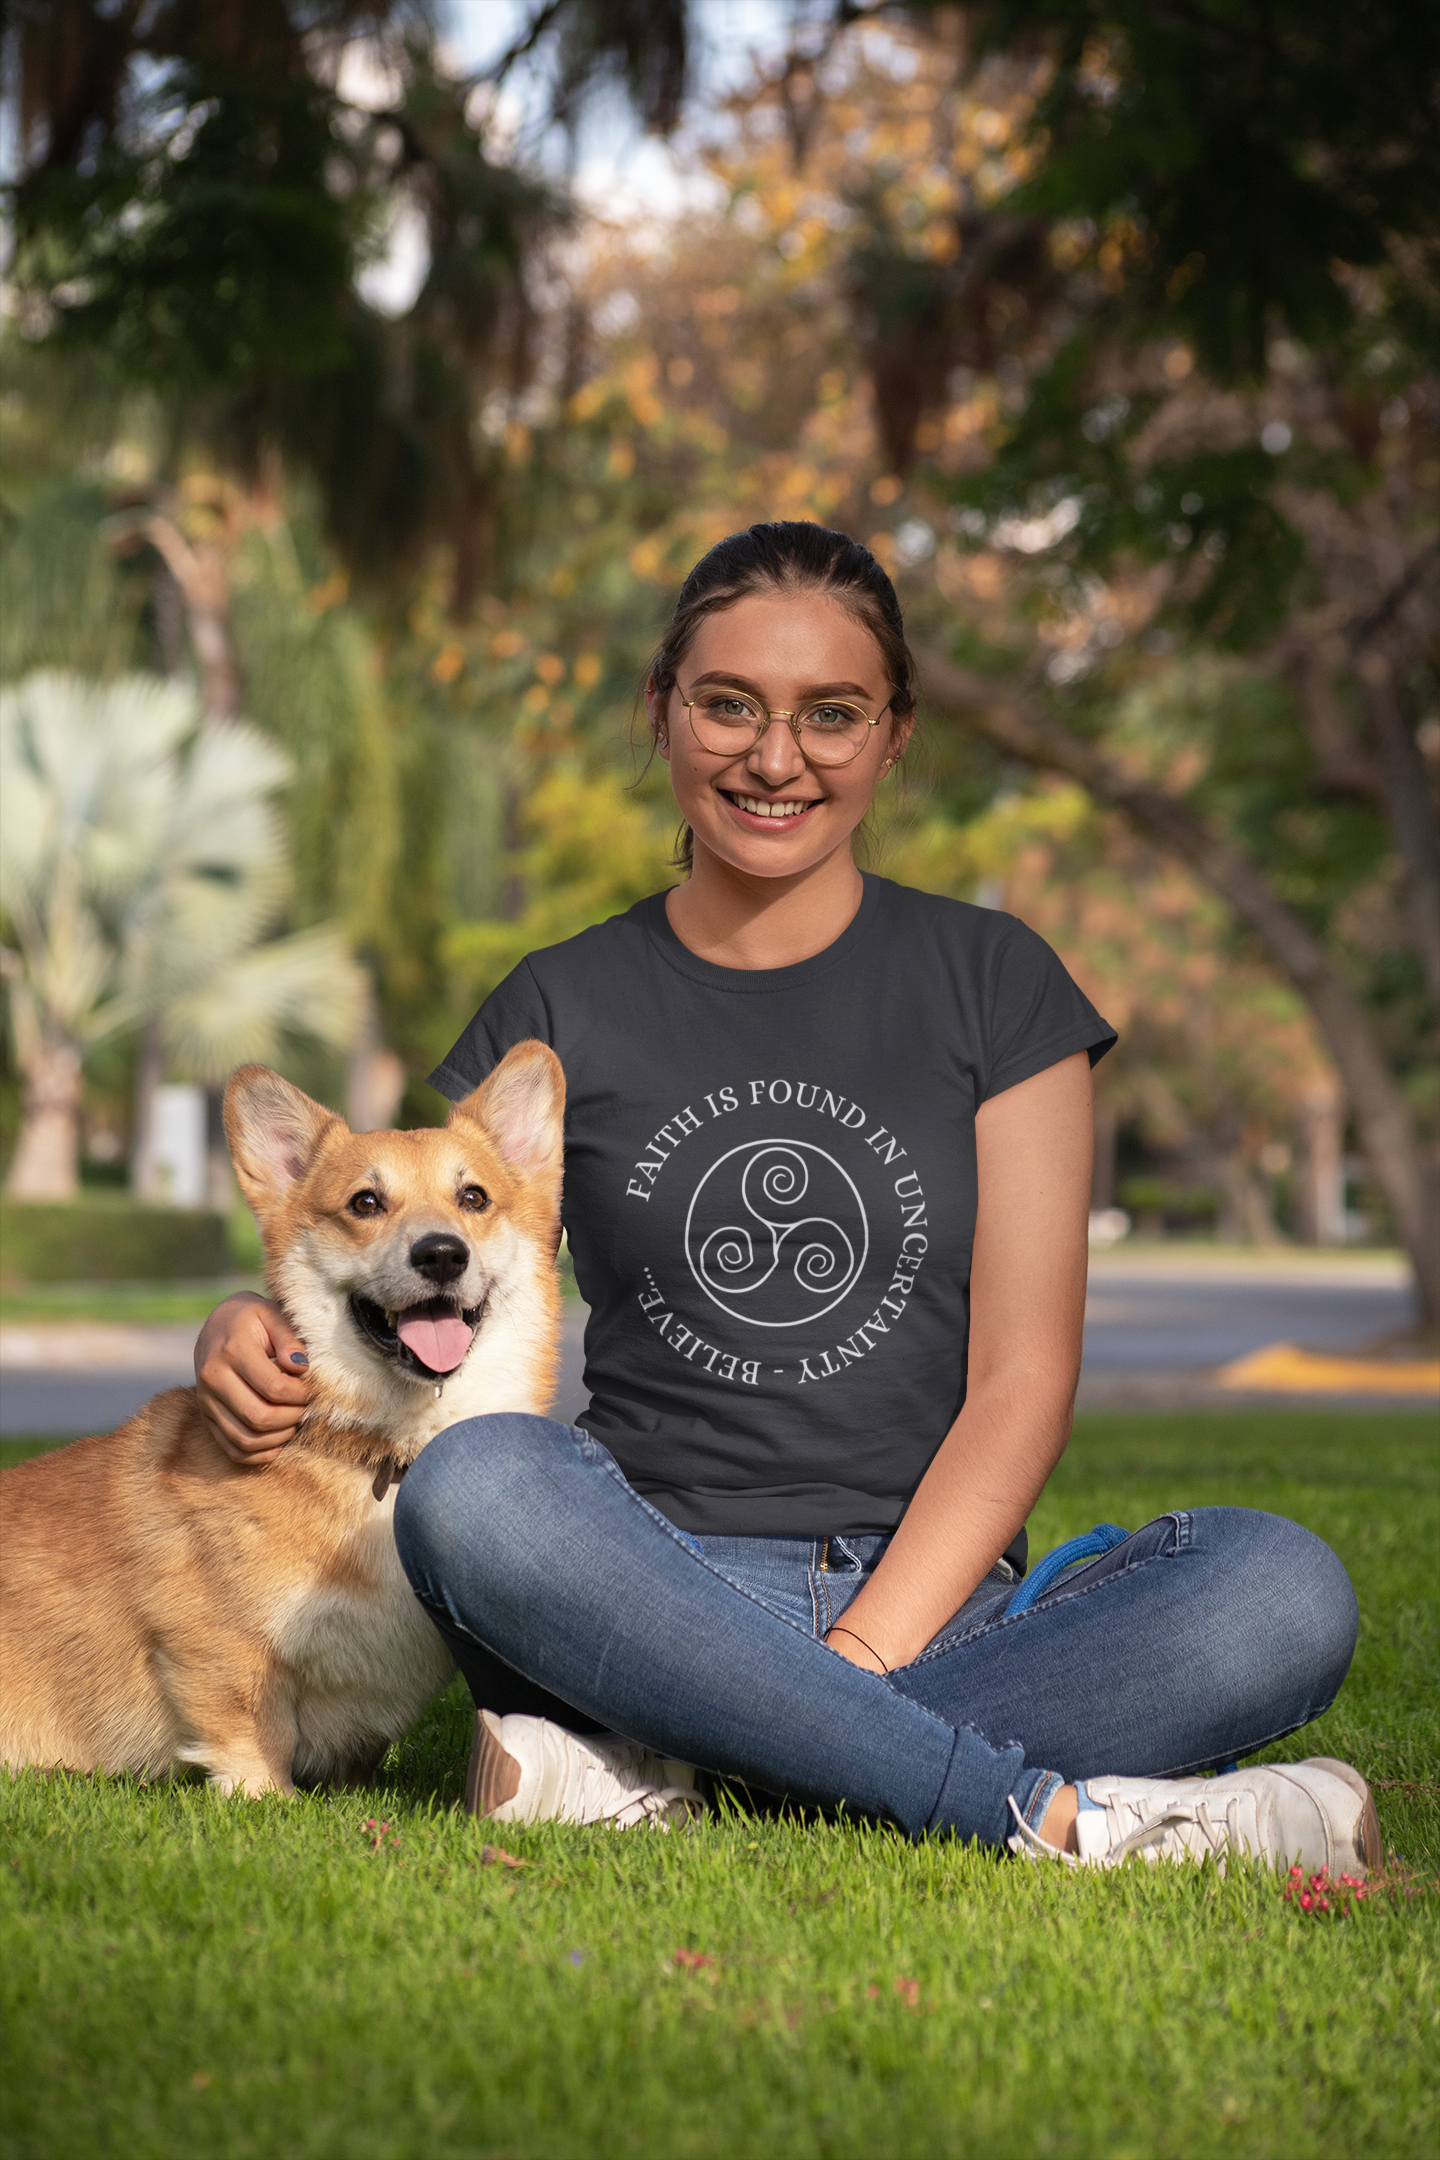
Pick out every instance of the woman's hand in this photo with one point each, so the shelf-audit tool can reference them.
(848, 1645)
(250, 1374)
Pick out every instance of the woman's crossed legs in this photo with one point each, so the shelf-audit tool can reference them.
(1203, 1637)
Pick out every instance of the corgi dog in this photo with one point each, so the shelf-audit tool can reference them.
(160, 1604)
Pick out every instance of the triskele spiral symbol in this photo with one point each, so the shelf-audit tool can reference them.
(776, 1233)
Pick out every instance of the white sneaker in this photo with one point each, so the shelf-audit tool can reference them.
(1319, 1813)
(526, 1770)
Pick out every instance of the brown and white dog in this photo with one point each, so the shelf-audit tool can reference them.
(161, 1605)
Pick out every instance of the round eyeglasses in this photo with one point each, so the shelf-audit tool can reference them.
(829, 732)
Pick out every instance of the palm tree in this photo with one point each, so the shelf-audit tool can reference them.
(142, 866)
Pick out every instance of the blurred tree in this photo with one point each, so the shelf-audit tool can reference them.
(1061, 305)
(1216, 1059)
(86, 571)
(143, 866)
(722, 392)
(588, 852)
(65, 603)
(1252, 163)
(198, 194)
(1111, 503)
(201, 190)
(1227, 431)
(1111, 330)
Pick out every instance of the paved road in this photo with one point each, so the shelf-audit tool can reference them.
(77, 1379)
(1142, 1319)
(1156, 1327)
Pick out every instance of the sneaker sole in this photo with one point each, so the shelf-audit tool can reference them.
(1367, 1835)
(493, 1777)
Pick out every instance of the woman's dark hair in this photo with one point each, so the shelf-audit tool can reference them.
(788, 556)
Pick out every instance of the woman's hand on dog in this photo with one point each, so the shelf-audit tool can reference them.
(250, 1377)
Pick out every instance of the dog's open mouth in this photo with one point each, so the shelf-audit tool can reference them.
(429, 1339)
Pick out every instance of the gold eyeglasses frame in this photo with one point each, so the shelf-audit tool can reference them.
(794, 720)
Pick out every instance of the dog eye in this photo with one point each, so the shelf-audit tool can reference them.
(367, 1203)
(475, 1197)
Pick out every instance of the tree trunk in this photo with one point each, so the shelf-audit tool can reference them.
(1320, 1168)
(375, 1078)
(473, 529)
(1387, 1128)
(169, 605)
(149, 1073)
(1102, 1176)
(47, 1155)
(220, 1188)
(1410, 807)
(203, 576)
(1247, 1211)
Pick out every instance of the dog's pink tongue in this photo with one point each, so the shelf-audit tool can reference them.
(440, 1344)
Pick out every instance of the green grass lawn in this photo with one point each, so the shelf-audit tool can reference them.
(150, 1304)
(262, 1978)
(135, 1303)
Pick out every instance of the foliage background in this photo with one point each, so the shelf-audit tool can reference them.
(1117, 348)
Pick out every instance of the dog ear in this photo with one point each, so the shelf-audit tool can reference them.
(273, 1132)
(521, 1108)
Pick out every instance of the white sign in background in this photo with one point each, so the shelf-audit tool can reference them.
(177, 1141)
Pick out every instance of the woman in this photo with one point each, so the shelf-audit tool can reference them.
(827, 1177)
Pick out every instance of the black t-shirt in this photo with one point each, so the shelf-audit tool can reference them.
(770, 1192)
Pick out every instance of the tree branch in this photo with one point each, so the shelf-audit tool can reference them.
(203, 580)
(535, 29)
(1369, 626)
(1387, 1127)
(1341, 767)
(1406, 793)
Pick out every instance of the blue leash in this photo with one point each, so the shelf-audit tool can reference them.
(1102, 1539)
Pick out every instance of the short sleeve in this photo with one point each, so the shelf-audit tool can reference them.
(1038, 1013)
(515, 1012)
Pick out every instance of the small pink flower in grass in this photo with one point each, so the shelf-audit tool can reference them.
(1333, 1895)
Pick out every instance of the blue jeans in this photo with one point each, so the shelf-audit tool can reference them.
(1203, 1637)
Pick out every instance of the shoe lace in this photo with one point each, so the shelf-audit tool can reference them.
(1218, 1837)
(620, 1783)
(660, 1806)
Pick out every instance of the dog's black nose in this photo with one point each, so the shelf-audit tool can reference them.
(440, 1255)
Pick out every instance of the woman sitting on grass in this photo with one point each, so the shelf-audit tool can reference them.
(826, 1183)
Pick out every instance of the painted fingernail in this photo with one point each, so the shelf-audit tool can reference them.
(298, 1357)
